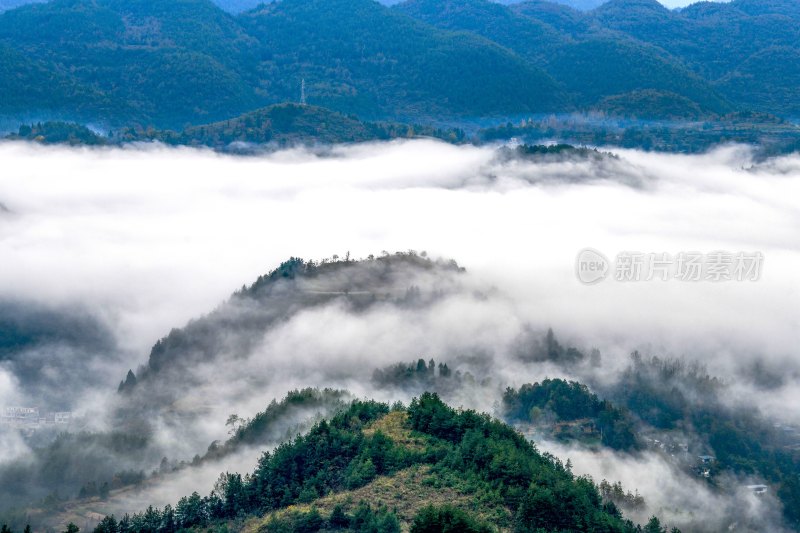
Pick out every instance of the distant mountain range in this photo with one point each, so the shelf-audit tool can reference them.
(177, 63)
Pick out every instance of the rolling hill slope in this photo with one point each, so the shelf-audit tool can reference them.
(358, 56)
(172, 62)
(163, 61)
(720, 42)
(372, 468)
(177, 63)
(589, 61)
(283, 125)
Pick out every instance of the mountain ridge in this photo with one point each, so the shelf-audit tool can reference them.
(370, 451)
(172, 64)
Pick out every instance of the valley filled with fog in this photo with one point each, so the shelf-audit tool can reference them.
(105, 251)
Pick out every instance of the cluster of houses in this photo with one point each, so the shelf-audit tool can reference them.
(705, 462)
(31, 418)
(704, 469)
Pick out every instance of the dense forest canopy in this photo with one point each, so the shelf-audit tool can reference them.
(469, 452)
(173, 63)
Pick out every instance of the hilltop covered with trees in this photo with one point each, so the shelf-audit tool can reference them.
(283, 125)
(297, 284)
(503, 476)
(556, 400)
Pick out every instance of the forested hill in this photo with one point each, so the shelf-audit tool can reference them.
(176, 63)
(371, 468)
(392, 63)
(591, 64)
(236, 328)
(272, 127)
(287, 125)
(170, 62)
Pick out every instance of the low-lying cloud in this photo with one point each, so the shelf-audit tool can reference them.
(149, 237)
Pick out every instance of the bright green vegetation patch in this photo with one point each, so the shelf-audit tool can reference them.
(395, 426)
(406, 493)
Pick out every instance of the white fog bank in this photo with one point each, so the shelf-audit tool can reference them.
(155, 236)
(150, 237)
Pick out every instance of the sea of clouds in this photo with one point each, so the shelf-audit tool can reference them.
(148, 237)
